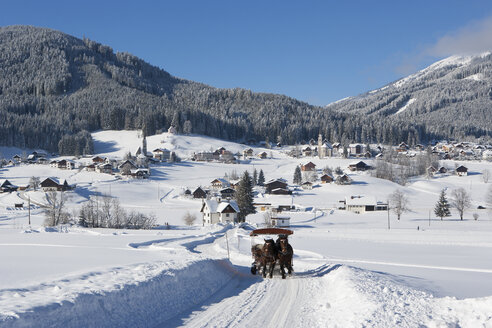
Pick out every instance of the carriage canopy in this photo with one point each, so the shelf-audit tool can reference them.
(271, 231)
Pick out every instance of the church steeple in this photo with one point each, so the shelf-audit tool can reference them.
(144, 145)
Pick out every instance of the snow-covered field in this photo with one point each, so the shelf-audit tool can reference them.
(350, 269)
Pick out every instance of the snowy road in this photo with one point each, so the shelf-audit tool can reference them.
(268, 302)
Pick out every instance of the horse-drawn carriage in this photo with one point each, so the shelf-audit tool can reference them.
(267, 253)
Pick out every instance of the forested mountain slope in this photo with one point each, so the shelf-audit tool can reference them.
(452, 98)
(55, 87)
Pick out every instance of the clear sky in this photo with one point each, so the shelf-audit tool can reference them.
(316, 51)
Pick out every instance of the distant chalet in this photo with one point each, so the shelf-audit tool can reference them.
(359, 166)
(277, 187)
(53, 184)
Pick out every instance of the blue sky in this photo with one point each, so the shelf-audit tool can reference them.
(316, 51)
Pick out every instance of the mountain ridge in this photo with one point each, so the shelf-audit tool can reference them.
(54, 88)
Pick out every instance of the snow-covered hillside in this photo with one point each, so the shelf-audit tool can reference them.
(350, 270)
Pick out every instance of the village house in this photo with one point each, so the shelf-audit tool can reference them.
(62, 164)
(357, 149)
(17, 159)
(162, 154)
(262, 207)
(54, 163)
(105, 168)
(6, 186)
(262, 155)
(98, 160)
(275, 185)
(431, 170)
(359, 166)
(227, 157)
(140, 173)
(247, 153)
(227, 193)
(363, 204)
(70, 164)
(90, 168)
(53, 184)
(307, 151)
(308, 167)
(402, 147)
(462, 171)
(280, 222)
(337, 148)
(280, 191)
(443, 170)
(215, 211)
(307, 185)
(343, 180)
(42, 160)
(325, 178)
(219, 183)
(126, 167)
(199, 193)
(203, 157)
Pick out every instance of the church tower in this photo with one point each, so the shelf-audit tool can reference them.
(321, 149)
(144, 146)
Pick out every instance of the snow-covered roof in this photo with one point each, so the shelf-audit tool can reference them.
(279, 179)
(211, 205)
(223, 205)
(360, 200)
(5, 182)
(224, 182)
(214, 206)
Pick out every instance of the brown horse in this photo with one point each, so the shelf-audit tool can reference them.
(268, 257)
(285, 254)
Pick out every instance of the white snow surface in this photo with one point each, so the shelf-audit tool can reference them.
(349, 270)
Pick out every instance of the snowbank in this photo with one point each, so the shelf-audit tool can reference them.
(159, 291)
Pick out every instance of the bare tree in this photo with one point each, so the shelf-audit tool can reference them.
(475, 216)
(54, 212)
(189, 219)
(485, 176)
(34, 182)
(311, 176)
(399, 203)
(267, 219)
(460, 200)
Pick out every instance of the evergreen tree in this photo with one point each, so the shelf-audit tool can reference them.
(244, 197)
(442, 207)
(261, 178)
(255, 177)
(297, 176)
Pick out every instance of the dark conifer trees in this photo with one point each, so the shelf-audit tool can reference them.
(442, 207)
(297, 176)
(244, 197)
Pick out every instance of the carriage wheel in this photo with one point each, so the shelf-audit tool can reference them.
(253, 269)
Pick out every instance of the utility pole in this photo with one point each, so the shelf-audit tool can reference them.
(227, 241)
(388, 215)
(29, 206)
(429, 218)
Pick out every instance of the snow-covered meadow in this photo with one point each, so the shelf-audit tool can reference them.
(350, 269)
